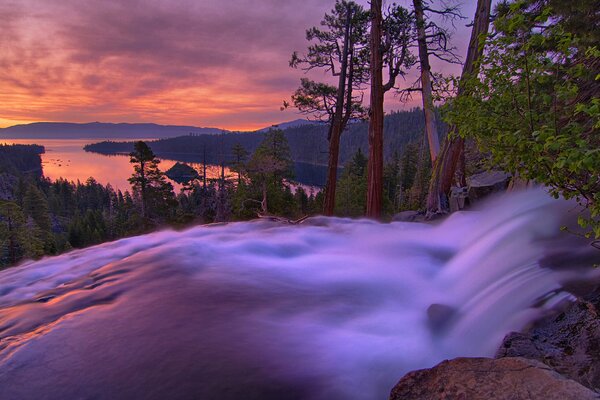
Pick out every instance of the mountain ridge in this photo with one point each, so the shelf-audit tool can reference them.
(121, 130)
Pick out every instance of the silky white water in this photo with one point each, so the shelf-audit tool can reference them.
(331, 309)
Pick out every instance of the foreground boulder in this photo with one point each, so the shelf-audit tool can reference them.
(489, 379)
(485, 183)
(568, 342)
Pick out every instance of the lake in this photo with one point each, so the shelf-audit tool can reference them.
(65, 158)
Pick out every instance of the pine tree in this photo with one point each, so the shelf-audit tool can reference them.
(351, 199)
(35, 206)
(149, 183)
(339, 47)
(270, 164)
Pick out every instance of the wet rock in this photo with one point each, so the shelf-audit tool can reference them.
(489, 379)
(439, 316)
(486, 183)
(458, 198)
(568, 342)
(409, 216)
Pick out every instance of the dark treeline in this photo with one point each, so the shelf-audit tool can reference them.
(21, 159)
(308, 143)
(40, 217)
(527, 103)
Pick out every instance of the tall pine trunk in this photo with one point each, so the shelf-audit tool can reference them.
(452, 154)
(337, 123)
(430, 123)
(375, 165)
(263, 204)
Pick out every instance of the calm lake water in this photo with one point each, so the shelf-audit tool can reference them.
(65, 158)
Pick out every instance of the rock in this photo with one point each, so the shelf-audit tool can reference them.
(486, 183)
(458, 198)
(489, 379)
(409, 216)
(439, 316)
(568, 342)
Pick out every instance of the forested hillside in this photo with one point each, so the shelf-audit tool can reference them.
(308, 143)
(21, 159)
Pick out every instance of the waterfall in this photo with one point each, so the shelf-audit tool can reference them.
(330, 309)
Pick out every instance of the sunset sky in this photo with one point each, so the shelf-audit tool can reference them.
(218, 63)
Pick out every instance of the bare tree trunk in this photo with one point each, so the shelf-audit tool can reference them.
(444, 169)
(143, 188)
(12, 245)
(263, 203)
(430, 123)
(375, 165)
(337, 123)
(332, 167)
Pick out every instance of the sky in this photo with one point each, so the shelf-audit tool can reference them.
(212, 63)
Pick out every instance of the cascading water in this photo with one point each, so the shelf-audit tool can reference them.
(332, 309)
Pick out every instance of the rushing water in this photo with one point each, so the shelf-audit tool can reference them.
(331, 309)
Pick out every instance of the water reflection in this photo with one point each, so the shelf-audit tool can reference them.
(65, 158)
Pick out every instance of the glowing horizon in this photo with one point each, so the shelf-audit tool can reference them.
(179, 62)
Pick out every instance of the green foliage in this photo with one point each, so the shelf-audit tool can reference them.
(87, 229)
(535, 107)
(16, 239)
(352, 188)
(268, 168)
(35, 206)
(150, 185)
(240, 155)
(342, 29)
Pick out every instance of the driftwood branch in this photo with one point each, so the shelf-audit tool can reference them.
(275, 218)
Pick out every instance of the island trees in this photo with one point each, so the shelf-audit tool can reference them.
(535, 106)
(340, 48)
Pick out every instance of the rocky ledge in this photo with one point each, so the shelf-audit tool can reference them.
(557, 358)
(508, 378)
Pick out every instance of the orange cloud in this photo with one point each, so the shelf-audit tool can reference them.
(208, 63)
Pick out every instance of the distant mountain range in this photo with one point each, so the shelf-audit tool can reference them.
(291, 124)
(308, 141)
(101, 130)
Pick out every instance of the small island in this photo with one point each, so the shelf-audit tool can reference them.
(182, 173)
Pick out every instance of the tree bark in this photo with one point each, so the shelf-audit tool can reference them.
(452, 154)
(12, 245)
(143, 188)
(337, 123)
(263, 203)
(426, 88)
(375, 164)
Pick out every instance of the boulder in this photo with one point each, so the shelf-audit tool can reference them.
(409, 216)
(486, 183)
(568, 342)
(458, 198)
(489, 379)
